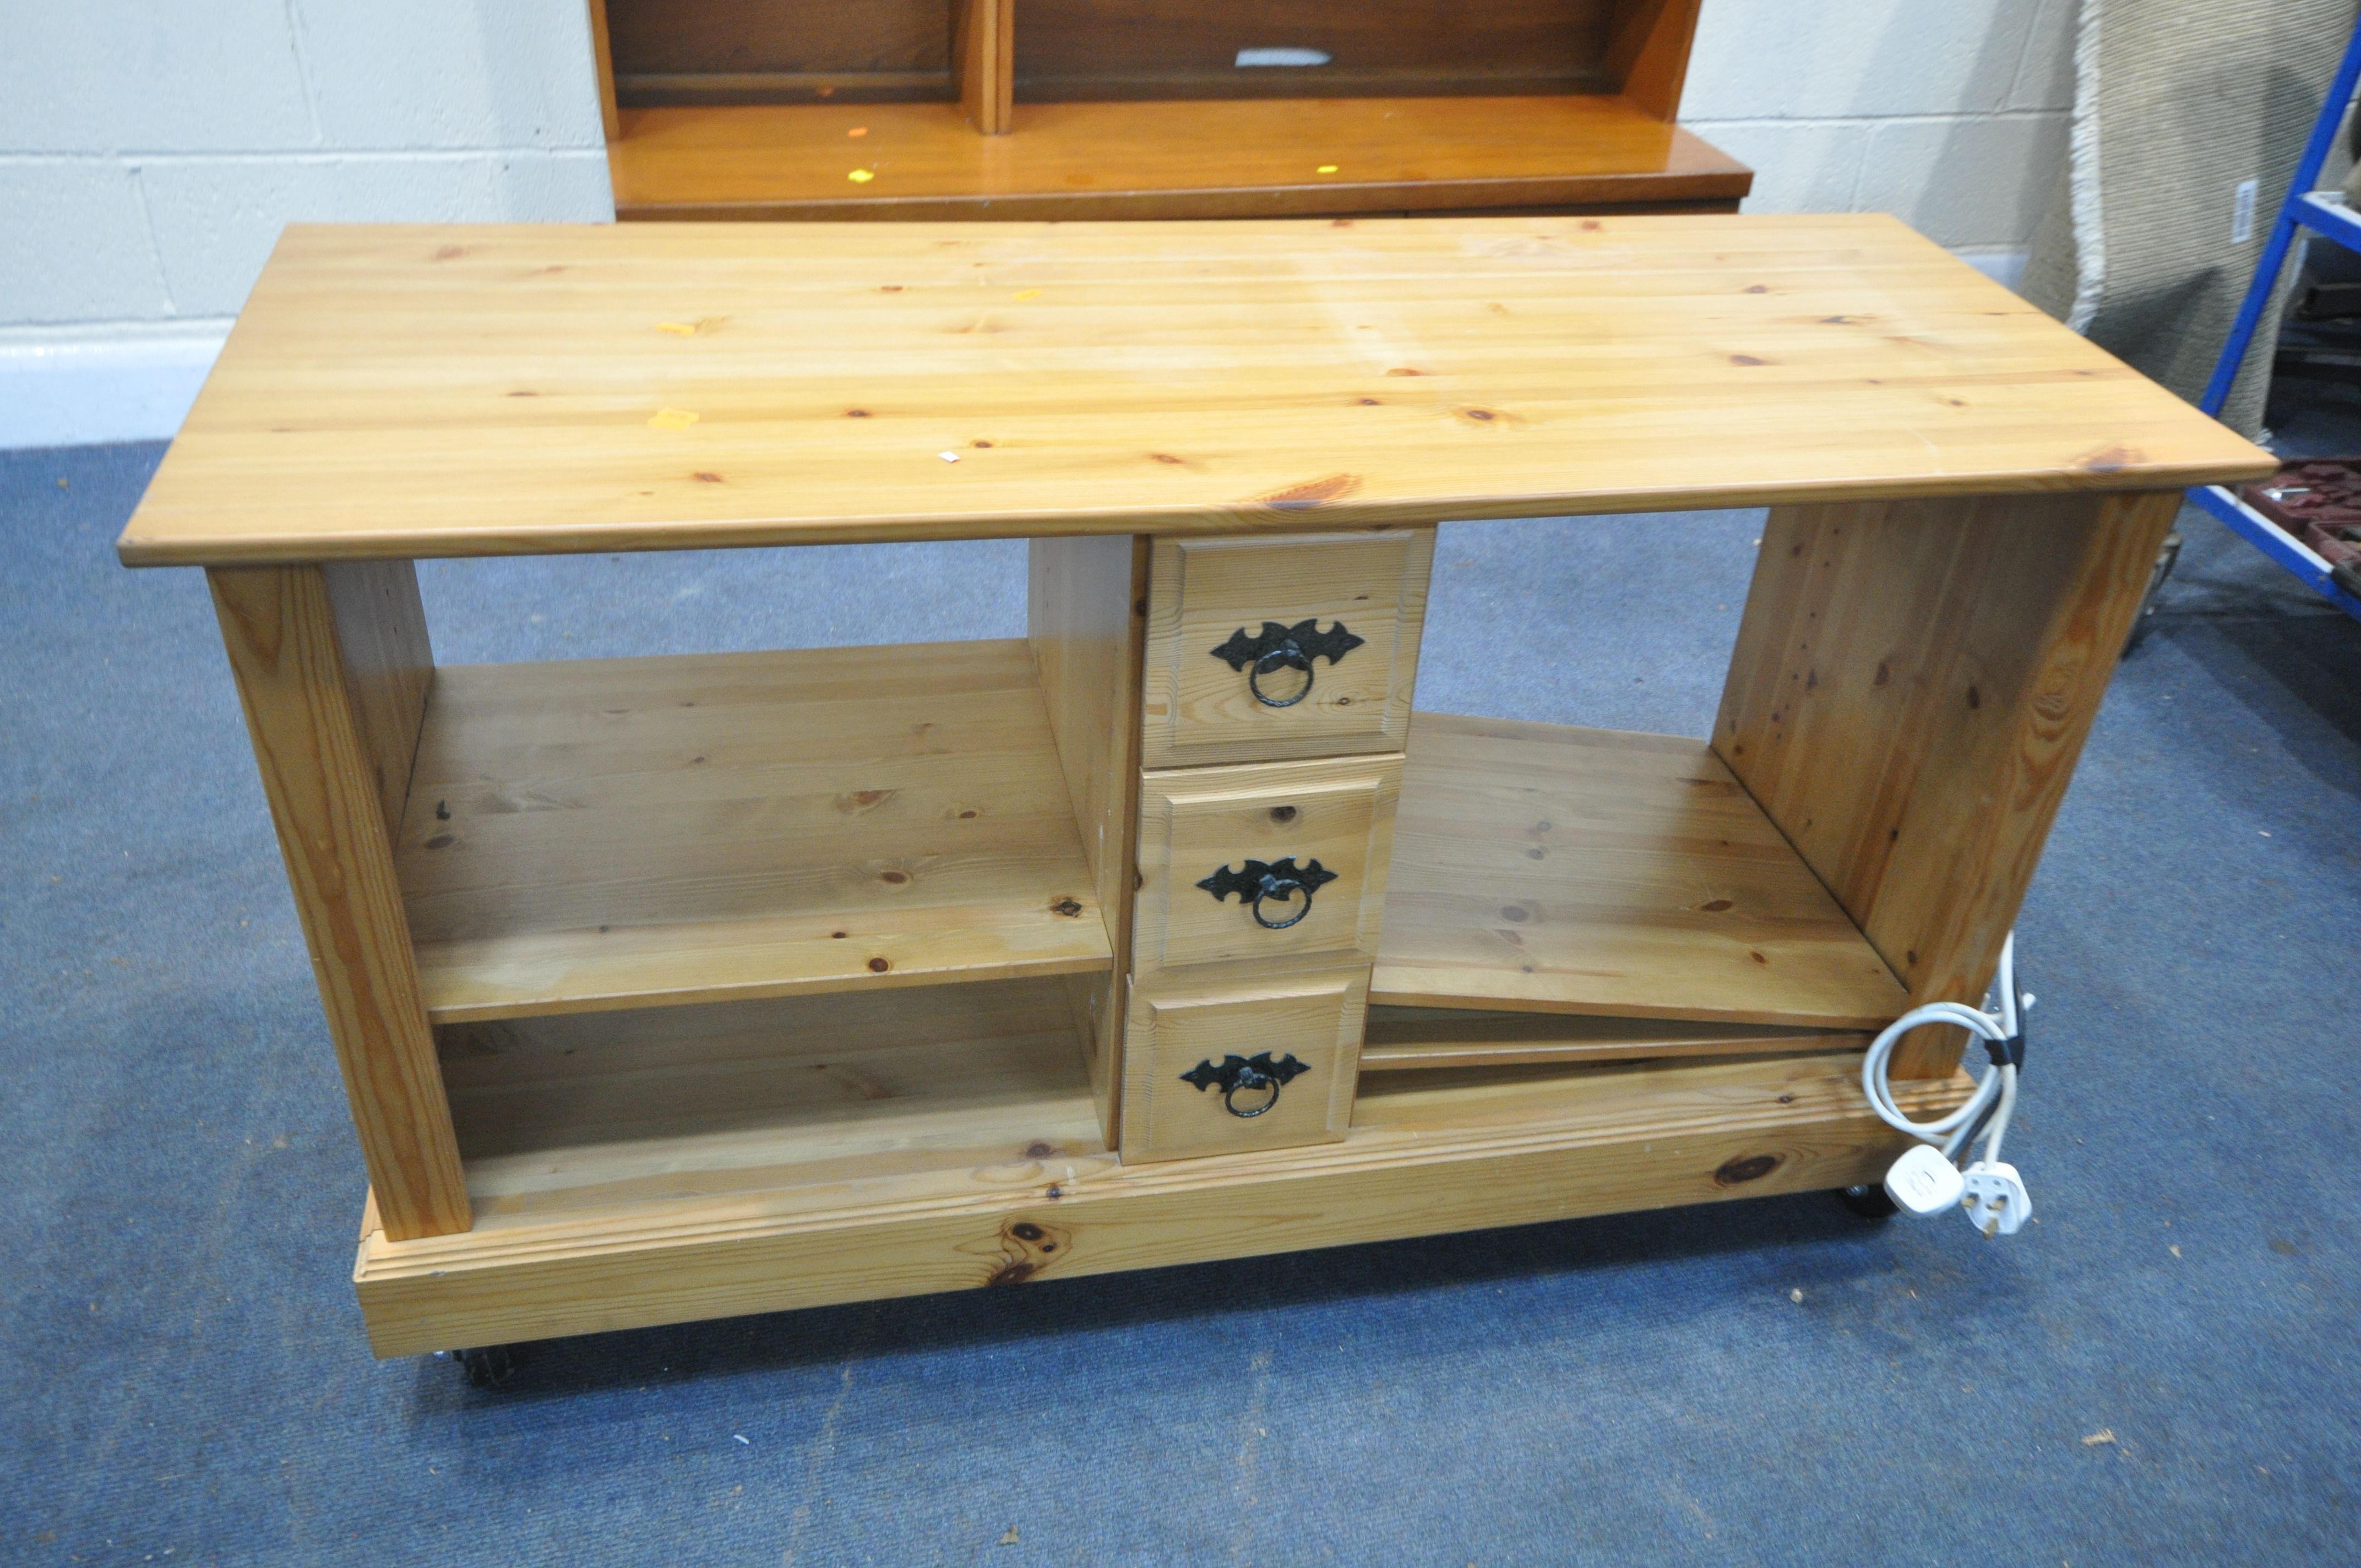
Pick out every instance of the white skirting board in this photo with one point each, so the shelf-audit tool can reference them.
(61, 392)
(58, 391)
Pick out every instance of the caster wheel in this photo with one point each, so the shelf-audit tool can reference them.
(488, 1368)
(1868, 1201)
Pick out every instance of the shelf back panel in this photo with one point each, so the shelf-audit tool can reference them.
(1073, 50)
(779, 52)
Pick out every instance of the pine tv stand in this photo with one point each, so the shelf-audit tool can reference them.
(673, 988)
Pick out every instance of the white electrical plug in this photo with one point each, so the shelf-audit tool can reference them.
(1995, 1199)
(1922, 1182)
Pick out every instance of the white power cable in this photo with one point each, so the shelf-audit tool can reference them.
(1924, 1181)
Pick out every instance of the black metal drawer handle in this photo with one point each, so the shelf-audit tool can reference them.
(1278, 883)
(1250, 1076)
(1285, 648)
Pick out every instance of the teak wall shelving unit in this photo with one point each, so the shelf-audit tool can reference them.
(668, 988)
(1037, 109)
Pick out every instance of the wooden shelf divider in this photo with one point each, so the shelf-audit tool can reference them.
(986, 64)
(614, 833)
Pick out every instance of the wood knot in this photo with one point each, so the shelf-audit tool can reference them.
(879, 965)
(1066, 907)
(2108, 460)
(1746, 359)
(1743, 1168)
(1311, 492)
(1716, 905)
(1026, 1247)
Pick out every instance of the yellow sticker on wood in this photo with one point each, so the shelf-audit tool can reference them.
(861, 176)
(672, 418)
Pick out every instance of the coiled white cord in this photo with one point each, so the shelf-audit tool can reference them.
(1985, 1113)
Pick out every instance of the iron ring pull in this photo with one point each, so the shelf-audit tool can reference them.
(1286, 657)
(1254, 1075)
(1259, 882)
(1281, 888)
(1252, 1082)
(1278, 648)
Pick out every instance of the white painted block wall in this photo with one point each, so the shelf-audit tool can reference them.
(1952, 114)
(149, 152)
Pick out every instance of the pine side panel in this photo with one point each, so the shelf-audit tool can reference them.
(1912, 685)
(602, 51)
(1087, 617)
(389, 668)
(312, 745)
(1648, 56)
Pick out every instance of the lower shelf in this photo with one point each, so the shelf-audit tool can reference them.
(582, 1114)
(1174, 159)
(1544, 868)
(708, 1206)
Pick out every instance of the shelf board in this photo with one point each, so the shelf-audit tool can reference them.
(1427, 1155)
(1543, 868)
(624, 832)
(563, 1116)
(1171, 158)
(1426, 1039)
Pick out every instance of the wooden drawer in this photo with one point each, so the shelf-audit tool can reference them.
(1277, 861)
(1221, 1065)
(1325, 625)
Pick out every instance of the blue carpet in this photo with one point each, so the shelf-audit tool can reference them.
(2162, 1369)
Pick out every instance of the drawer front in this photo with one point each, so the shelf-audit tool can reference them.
(1222, 1067)
(1297, 645)
(1278, 860)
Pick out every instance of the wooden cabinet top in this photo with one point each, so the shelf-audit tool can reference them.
(431, 391)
